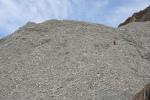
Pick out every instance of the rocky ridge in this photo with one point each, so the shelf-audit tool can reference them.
(141, 16)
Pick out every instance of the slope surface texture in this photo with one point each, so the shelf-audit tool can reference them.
(69, 60)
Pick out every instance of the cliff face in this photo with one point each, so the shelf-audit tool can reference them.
(69, 60)
(141, 16)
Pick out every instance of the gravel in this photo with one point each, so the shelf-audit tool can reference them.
(71, 60)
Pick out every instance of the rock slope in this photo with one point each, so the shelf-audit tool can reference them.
(69, 60)
(141, 16)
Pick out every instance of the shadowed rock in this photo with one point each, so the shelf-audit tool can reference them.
(144, 94)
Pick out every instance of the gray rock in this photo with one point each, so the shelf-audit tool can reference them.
(70, 60)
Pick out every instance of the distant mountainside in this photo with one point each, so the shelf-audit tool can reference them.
(141, 16)
(70, 60)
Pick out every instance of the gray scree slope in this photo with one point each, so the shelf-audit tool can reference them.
(69, 60)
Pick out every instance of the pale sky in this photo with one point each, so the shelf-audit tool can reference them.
(15, 13)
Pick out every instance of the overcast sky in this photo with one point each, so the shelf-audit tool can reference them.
(15, 13)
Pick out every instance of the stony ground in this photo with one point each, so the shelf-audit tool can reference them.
(69, 60)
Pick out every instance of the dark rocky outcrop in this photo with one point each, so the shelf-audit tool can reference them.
(141, 16)
(144, 94)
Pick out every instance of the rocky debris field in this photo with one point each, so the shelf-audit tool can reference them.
(70, 60)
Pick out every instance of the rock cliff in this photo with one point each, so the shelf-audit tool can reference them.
(141, 16)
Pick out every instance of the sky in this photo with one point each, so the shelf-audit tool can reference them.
(16, 13)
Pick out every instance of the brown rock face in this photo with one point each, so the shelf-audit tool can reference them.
(141, 16)
(144, 94)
